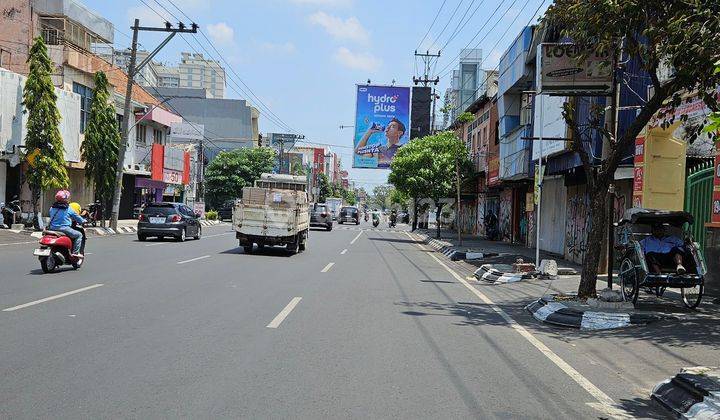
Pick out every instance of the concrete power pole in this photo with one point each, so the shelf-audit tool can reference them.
(133, 69)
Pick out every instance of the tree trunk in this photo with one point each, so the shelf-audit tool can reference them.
(598, 224)
(415, 214)
(35, 197)
(437, 221)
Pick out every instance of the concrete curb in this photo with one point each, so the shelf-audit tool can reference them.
(452, 252)
(550, 311)
(694, 393)
(129, 229)
(490, 274)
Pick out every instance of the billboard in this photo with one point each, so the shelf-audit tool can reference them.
(562, 73)
(382, 124)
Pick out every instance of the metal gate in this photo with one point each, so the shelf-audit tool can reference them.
(698, 198)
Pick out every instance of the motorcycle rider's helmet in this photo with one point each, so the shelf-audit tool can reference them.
(62, 196)
(76, 207)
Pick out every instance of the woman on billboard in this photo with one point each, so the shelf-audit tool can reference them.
(394, 131)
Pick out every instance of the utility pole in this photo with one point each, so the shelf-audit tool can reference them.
(426, 80)
(133, 69)
(200, 174)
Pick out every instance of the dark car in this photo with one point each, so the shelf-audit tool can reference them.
(320, 216)
(226, 210)
(168, 219)
(349, 214)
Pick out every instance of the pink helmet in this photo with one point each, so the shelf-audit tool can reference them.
(62, 195)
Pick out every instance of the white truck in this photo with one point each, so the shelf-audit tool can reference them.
(273, 212)
(334, 204)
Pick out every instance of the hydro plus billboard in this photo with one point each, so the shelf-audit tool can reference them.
(382, 124)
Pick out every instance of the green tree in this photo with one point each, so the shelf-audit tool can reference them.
(229, 172)
(325, 189)
(45, 151)
(99, 150)
(381, 195)
(426, 168)
(680, 33)
(399, 198)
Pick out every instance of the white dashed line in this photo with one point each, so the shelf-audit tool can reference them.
(327, 267)
(284, 313)
(343, 251)
(356, 238)
(194, 259)
(47, 299)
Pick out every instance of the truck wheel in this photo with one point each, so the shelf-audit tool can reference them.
(303, 242)
(329, 228)
(293, 247)
(248, 249)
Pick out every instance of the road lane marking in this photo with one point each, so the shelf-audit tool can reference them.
(218, 234)
(204, 236)
(343, 251)
(284, 313)
(356, 238)
(327, 267)
(607, 403)
(194, 259)
(157, 243)
(19, 243)
(47, 299)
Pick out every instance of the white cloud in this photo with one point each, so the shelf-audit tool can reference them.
(280, 48)
(357, 61)
(350, 28)
(221, 33)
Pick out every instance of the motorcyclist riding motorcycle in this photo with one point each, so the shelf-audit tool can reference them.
(376, 218)
(393, 218)
(62, 216)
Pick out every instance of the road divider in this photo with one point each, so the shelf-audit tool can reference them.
(48, 299)
(284, 313)
(327, 267)
(194, 259)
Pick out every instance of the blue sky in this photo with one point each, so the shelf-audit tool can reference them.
(302, 58)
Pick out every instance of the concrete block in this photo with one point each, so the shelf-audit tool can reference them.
(549, 267)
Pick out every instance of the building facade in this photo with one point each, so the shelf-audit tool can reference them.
(195, 71)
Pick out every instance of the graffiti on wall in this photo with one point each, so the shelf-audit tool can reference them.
(578, 224)
(480, 222)
(505, 216)
(468, 216)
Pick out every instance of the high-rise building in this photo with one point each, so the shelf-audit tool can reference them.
(466, 81)
(197, 72)
(167, 76)
(147, 76)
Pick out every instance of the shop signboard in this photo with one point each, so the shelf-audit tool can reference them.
(564, 70)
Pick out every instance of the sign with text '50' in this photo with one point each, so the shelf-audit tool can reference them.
(172, 177)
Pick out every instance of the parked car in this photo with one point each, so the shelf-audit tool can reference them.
(225, 212)
(320, 216)
(168, 219)
(403, 217)
(349, 214)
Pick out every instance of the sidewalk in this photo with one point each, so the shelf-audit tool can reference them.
(500, 252)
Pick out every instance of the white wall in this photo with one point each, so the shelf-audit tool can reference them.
(13, 123)
(553, 125)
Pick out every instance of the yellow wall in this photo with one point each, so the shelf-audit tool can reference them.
(664, 169)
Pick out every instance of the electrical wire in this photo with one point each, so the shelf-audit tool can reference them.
(461, 25)
(432, 24)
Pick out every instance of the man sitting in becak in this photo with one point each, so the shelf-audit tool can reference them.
(61, 220)
(661, 249)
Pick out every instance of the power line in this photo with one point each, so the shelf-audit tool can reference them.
(443, 70)
(448, 22)
(432, 24)
(259, 101)
(457, 30)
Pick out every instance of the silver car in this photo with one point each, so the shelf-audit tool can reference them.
(320, 216)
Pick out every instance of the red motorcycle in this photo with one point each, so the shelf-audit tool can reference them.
(55, 248)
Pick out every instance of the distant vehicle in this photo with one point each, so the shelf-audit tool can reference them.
(334, 204)
(273, 212)
(320, 216)
(349, 214)
(403, 217)
(168, 219)
(225, 211)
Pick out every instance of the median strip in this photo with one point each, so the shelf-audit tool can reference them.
(194, 259)
(284, 313)
(47, 299)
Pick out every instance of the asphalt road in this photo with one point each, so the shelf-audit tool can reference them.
(364, 324)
